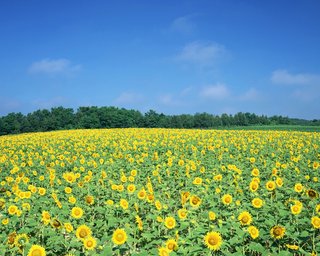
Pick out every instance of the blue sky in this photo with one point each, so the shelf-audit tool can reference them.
(215, 56)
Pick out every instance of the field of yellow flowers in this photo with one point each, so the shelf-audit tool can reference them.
(160, 192)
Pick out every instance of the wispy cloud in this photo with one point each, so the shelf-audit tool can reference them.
(128, 98)
(217, 92)
(201, 53)
(250, 95)
(183, 25)
(282, 76)
(50, 67)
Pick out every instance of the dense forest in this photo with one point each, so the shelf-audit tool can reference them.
(60, 118)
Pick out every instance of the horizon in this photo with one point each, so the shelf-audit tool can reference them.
(173, 57)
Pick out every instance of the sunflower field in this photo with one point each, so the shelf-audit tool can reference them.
(160, 192)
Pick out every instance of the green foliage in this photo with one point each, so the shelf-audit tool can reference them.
(60, 118)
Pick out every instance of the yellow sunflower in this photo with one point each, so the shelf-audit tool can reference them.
(171, 245)
(195, 201)
(253, 231)
(257, 202)
(124, 204)
(89, 200)
(119, 236)
(213, 240)
(68, 227)
(245, 218)
(197, 181)
(142, 194)
(12, 209)
(36, 250)
(170, 222)
(226, 199)
(83, 232)
(76, 212)
(315, 221)
(277, 232)
(89, 243)
(182, 213)
(298, 187)
(212, 215)
(270, 185)
(163, 251)
(131, 188)
(296, 209)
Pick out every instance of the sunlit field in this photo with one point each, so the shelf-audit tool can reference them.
(160, 192)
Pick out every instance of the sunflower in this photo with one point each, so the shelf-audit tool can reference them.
(245, 218)
(255, 172)
(12, 209)
(212, 215)
(142, 194)
(45, 217)
(139, 223)
(257, 202)
(124, 204)
(279, 182)
(89, 243)
(68, 227)
(195, 201)
(11, 238)
(298, 187)
(296, 209)
(171, 245)
(184, 197)
(131, 188)
(163, 251)
(182, 213)
(312, 193)
(270, 185)
(76, 212)
(83, 232)
(20, 240)
(226, 199)
(170, 222)
(277, 232)
(41, 191)
(55, 223)
(213, 240)
(89, 200)
(36, 250)
(253, 231)
(119, 236)
(217, 177)
(292, 247)
(315, 221)
(197, 181)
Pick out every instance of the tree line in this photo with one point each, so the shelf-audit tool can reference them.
(60, 118)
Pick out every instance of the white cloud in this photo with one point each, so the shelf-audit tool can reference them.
(183, 25)
(49, 66)
(128, 98)
(250, 95)
(218, 91)
(200, 53)
(282, 76)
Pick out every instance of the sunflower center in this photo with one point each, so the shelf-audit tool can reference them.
(317, 222)
(119, 237)
(245, 219)
(277, 231)
(36, 252)
(83, 233)
(213, 240)
(171, 246)
(89, 243)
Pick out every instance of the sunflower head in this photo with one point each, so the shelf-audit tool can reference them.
(83, 232)
(170, 222)
(213, 240)
(119, 236)
(226, 199)
(76, 212)
(245, 218)
(36, 250)
(312, 193)
(277, 232)
(172, 245)
(315, 221)
(257, 202)
(195, 201)
(89, 243)
(253, 231)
